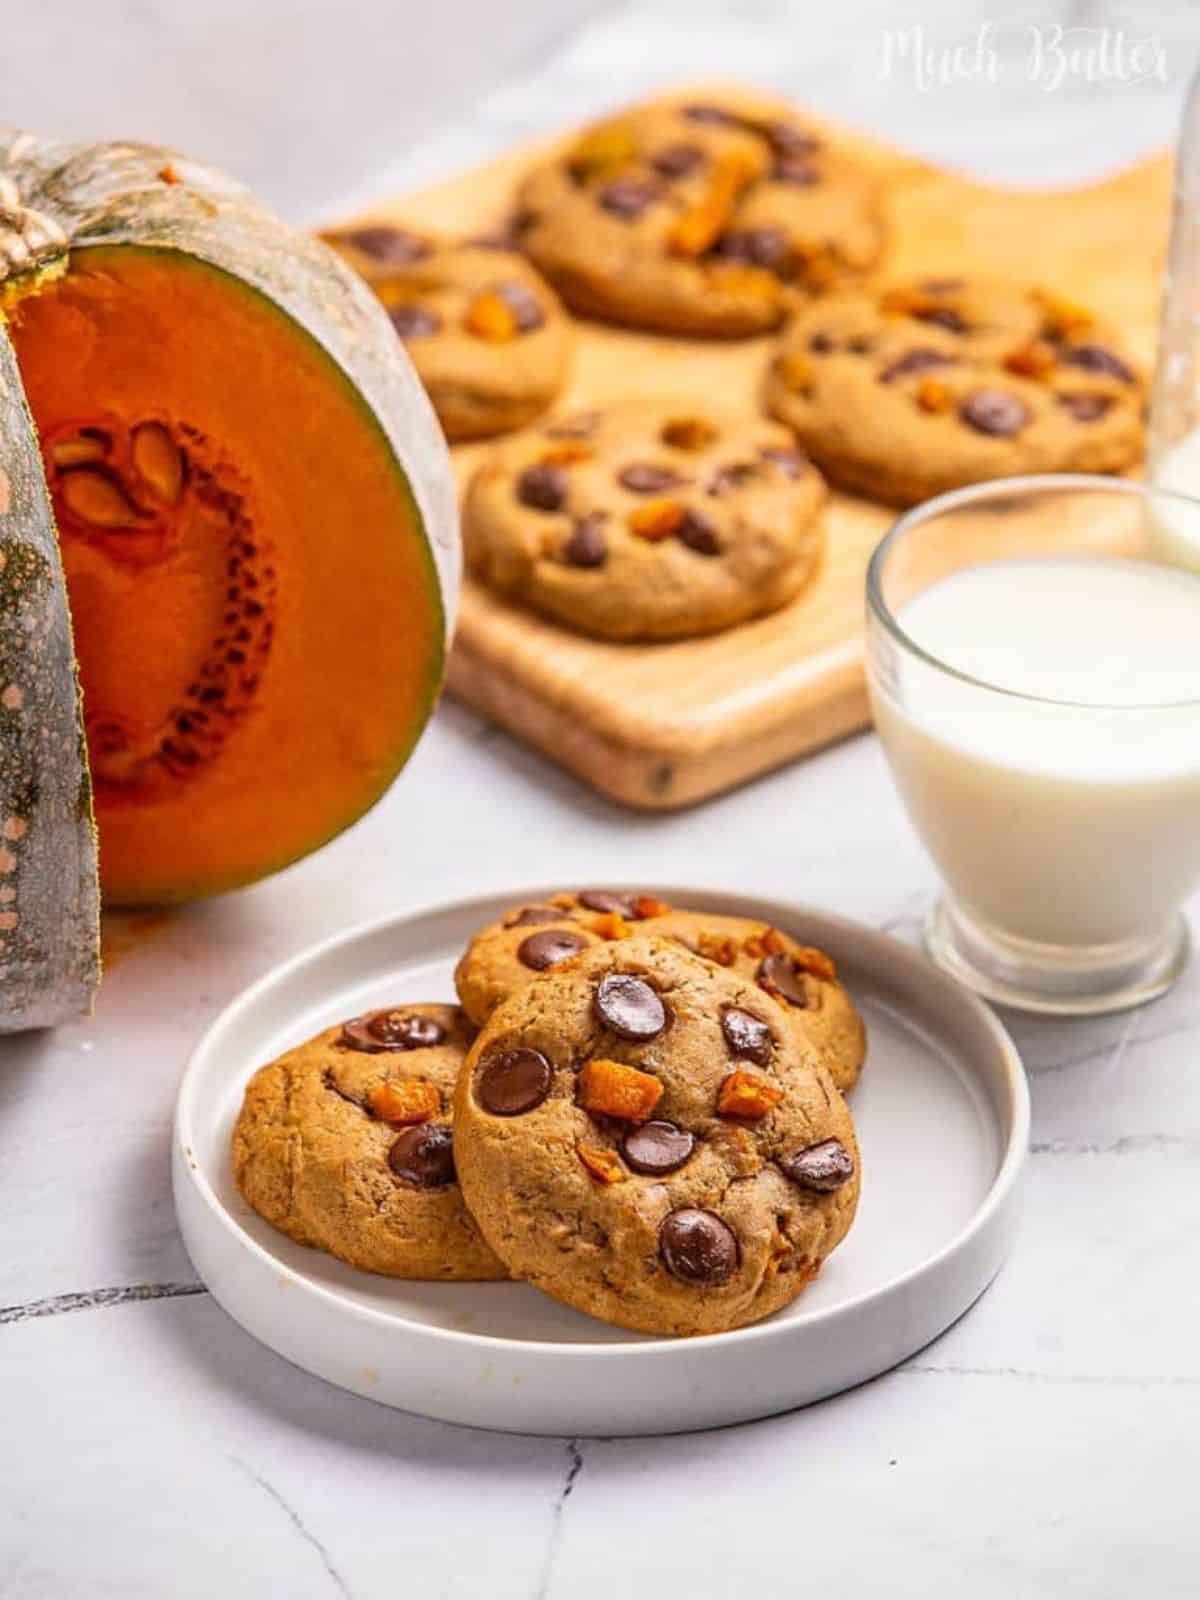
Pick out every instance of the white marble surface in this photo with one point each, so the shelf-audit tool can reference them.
(1047, 1446)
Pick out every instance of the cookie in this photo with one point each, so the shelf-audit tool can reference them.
(344, 1143)
(703, 218)
(486, 333)
(504, 957)
(622, 1152)
(653, 519)
(920, 388)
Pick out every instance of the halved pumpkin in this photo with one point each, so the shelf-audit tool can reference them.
(255, 514)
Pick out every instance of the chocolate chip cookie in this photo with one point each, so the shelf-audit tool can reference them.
(654, 519)
(486, 333)
(345, 1143)
(504, 957)
(622, 1150)
(921, 388)
(699, 217)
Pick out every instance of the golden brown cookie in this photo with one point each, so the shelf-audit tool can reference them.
(699, 217)
(913, 390)
(345, 1144)
(621, 1151)
(527, 940)
(653, 519)
(486, 333)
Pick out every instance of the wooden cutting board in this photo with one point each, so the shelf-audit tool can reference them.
(663, 725)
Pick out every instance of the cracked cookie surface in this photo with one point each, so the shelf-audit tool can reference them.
(345, 1144)
(624, 1152)
(910, 391)
(486, 333)
(702, 217)
(652, 519)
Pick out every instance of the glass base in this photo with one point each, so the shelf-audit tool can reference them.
(1058, 980)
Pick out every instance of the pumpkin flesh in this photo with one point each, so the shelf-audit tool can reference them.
(255, 608)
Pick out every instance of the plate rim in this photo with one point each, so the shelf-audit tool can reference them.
(999, 1192)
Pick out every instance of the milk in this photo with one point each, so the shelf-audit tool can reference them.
(1066, 824)
(1175, 524)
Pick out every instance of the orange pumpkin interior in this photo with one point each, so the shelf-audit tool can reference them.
(256, 613)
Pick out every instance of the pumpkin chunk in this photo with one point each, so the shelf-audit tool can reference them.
(616, 1090)
(747, 1095)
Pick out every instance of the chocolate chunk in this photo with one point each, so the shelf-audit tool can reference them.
(797, 170)
(1085, 405)
(515, 1082)
(792, 463)
(677, 160)
(760, 247)
(994, 412)
(414, 322)
(730, 477)
(716, 115)
(629, 1006)
(627, 198)
(657, 1147)
(821, 344)
(391, 1030)
(530, 916)
(943, 317)
(780, 975)
(524, 305)
(788, 139)
(698, 1247)
(1095, 358)
(747, 1037)
(587, 546)
(576, 427)
(542, 950)
(698, 533)
(921, 359)
(648, 477)
(393, 247)
(424, 1155)
(823, 1167)
(543, 487)
(609, 900)
(861, 345)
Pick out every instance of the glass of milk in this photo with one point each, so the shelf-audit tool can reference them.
(1034, 669)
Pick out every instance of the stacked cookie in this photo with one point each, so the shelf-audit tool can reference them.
(638, 1109)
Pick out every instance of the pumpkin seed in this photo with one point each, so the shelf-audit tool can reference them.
(89, 444)
(158, 461)
(95, 498)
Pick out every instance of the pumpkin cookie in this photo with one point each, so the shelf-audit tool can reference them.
(654, 519)
(906, 393)
(699, 218)
(504, 957)
(622, 1151)
(344, 1143)
(487, 335)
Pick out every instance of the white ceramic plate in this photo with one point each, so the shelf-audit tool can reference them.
(943, 1121)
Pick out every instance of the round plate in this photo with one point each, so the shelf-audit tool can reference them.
(943, 1121)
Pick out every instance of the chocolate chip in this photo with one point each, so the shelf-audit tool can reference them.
(698, 1247)
(860, 346)
(760, 247)
(657, 1147)
(626, 198)
(677, 160)
(823, 1167)
(515, 1082)
(1095, 358)
(716, 115)
(608, 900)
(524, 305)
(747, 1037)
(648, 477)
(394, 247)
(796, 170)
(781, 976)
(530, 916)
(587, 546)
(994, 412)
(391, 1030)
(730, 477)
(942, 317)
(629, 1006)
(576, 427)
(792, 463)
(788, 139)
(922, 359)
(424, 1155)
(698, 533)
(414, 322)
(1086, 405)
(821, 344)
(542, 950)
(543, 487)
